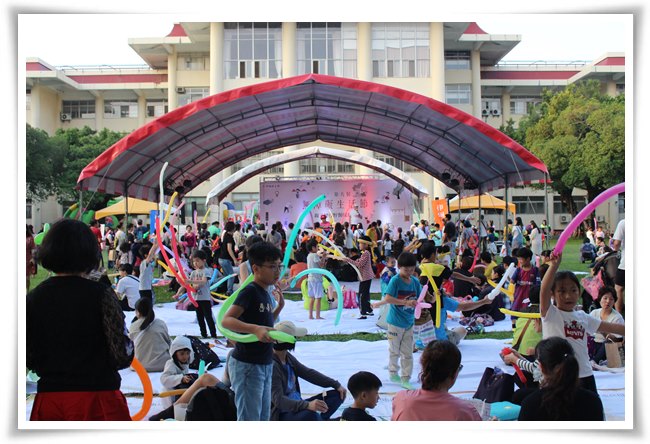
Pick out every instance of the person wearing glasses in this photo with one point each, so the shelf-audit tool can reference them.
(251, 364)
(441, 365)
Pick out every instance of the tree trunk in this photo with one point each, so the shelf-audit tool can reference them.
(567, 199)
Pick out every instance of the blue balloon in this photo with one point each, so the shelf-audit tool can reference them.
(333, 280)
(296, 231)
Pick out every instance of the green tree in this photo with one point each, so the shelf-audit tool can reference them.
(44, 157)
(83, 146)
(579, 133)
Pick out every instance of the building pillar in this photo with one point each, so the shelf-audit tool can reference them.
(505, 106)
(216, 83)
(142, 108)
(437, 68)
(289, 69)
(476, 83)
(611, 88)
(172, 75)
(364, 72)
(35, 106)
(216, 58)
(99, 111)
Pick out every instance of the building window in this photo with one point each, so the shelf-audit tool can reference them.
(117, 109)
(523, 105)
(193, 62)
(457, 60)
(620, 88)
(29, 209)
(396, 163)
(157, 107)
(244, 163)
(28, 101)
(325, 166)
(560, 208)
(240, 200)
(621, 205)
(460, 94)
(529, 204)
(192, 95)
(253, 50)
(327, 48)
(79, 109)
(400, 50)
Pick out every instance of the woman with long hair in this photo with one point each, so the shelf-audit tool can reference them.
(150, 336)
(560, 397)
(517, 233)
(535, 239)
(441, 365)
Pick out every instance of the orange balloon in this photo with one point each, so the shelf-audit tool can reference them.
(148, 390)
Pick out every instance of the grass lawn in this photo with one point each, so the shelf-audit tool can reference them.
(570, 261)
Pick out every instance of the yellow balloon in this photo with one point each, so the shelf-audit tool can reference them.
(171, 393)
(169, 210)
(521, 314)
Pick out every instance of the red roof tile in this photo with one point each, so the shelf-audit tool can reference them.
(473, 28)
(177, 31)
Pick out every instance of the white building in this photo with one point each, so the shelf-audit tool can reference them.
(456, 62)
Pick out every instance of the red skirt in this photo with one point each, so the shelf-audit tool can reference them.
(106, 405)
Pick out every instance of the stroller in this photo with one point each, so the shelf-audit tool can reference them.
(587, 252)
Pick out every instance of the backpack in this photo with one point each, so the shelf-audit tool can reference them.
(350, 299)
(212, 404)
(203, 353)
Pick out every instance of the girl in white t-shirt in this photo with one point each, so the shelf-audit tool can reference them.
(559, 295)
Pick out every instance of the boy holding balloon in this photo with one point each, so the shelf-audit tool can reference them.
(251, 364)
(402, 293)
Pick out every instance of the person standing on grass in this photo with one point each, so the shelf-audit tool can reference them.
(364, 264)
(314, 281)
(251, 364)
(228, 258)
(402, 294)
(618, 244)
(147, 265)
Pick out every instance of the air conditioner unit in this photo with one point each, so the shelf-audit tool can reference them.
(564, 219)
(180, 90)
(65, 117)
(495, 112)
(600, 218)
(485, 112)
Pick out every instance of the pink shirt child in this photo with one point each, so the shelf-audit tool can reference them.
(425, 405)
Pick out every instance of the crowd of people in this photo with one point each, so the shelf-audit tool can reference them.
(457, 262)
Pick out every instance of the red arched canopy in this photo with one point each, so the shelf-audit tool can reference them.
(200, 139)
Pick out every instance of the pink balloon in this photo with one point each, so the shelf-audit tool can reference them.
(420, 305)
(582, 215)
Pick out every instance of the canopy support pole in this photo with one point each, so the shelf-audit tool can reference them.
(480, 222)
(505, 212)
(126, 207)
(548, 225)
(81, 208)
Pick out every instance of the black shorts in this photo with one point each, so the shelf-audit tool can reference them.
(620, 277)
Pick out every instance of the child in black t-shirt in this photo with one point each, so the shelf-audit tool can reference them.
(364, 387)
(251, 364)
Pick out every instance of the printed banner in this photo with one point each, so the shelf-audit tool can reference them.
(440, 208)
(354, 201)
